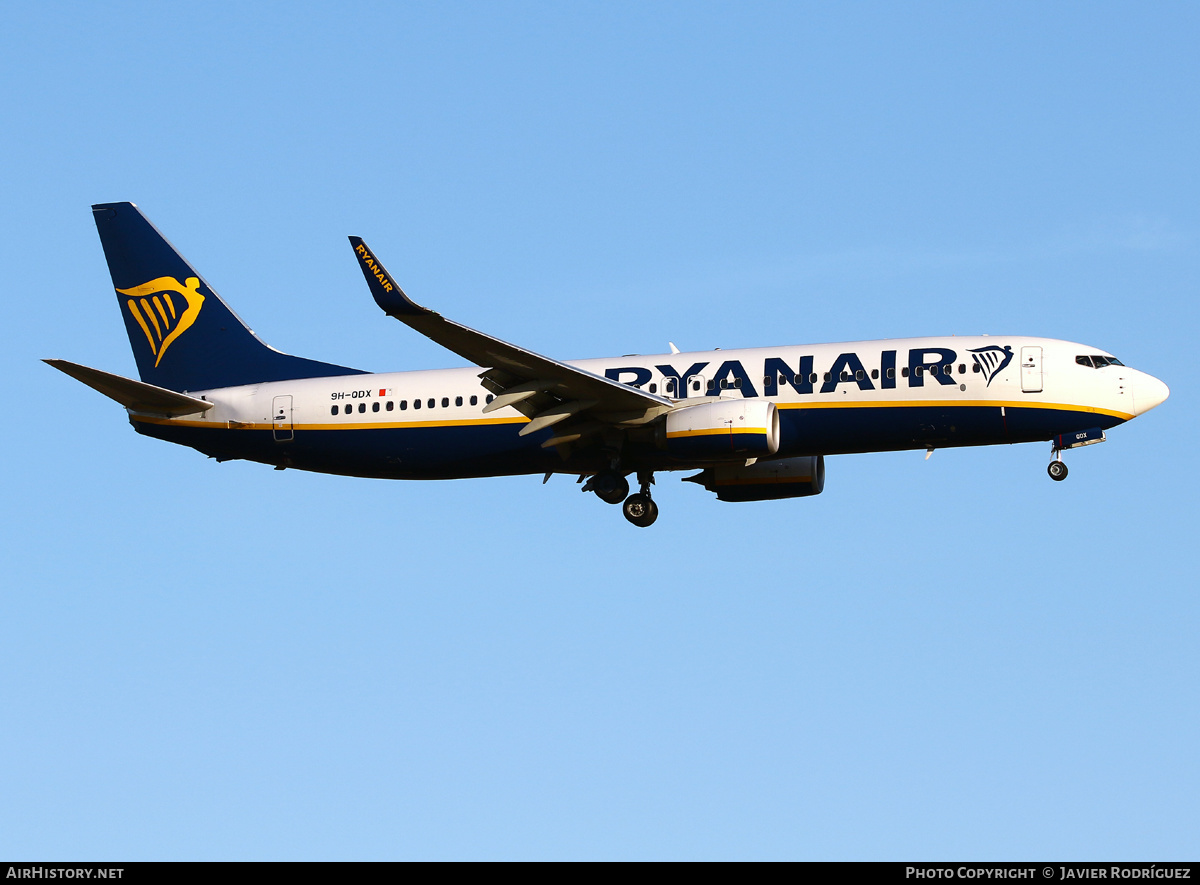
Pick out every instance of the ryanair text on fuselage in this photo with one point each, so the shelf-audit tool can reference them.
(847, 368)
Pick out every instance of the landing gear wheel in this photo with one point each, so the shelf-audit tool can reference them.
(640, 510)
(1057, 471)
(610, 487)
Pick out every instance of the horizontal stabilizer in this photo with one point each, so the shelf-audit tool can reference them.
(136, 396)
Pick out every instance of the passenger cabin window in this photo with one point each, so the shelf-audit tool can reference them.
(349, 409)
(654, 388)
(403, 405)
(474, 400)
(458, 401)
(828, 377)
(874, 373)
(391, 405)
(859, 375)
(962, 368)
(333, 410)
(445, 402)
(904, 372)
(416, 404)
(487, 400)
(975, 368)
(375, 406)
(431, 402)
(891, 373)
(362, 407)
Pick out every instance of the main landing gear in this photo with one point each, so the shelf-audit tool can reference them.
(609, 486)
(612, 488)
(640, 508)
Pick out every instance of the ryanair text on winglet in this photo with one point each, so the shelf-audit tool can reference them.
(374, 266)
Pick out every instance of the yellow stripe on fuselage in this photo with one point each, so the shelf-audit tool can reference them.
(478, 422)
(953, 404)
(268, 425)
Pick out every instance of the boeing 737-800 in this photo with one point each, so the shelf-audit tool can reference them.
(755, 423)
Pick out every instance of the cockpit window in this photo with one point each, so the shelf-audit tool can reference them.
(1084, 361)
(1096, 361)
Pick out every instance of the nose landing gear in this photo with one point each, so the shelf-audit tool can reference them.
(1072, 440)
(1057, 469)
(640, 508)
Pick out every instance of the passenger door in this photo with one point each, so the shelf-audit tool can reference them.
(281, 418)
(1031, 369)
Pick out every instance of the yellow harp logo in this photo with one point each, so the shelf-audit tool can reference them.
(157, 313)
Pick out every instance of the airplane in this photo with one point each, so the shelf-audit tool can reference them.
(756, 423)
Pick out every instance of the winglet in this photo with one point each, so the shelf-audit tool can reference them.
(387, 294)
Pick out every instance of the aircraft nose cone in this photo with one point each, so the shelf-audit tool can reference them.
(1148, 392)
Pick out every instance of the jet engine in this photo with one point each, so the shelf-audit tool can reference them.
(742, 428)
(765, 480)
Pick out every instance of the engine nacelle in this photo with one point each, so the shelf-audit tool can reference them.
(736, 428)
(766, 480)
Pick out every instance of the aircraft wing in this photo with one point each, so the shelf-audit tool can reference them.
(543, 389)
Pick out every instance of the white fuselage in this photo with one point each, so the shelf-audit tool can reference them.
(851, 397)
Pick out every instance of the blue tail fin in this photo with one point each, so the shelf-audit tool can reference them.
(184, 336)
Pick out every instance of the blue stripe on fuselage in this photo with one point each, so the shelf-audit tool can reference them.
(837, 431)
(490, 449)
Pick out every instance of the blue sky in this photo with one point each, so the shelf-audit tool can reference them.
(944, 658)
